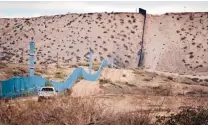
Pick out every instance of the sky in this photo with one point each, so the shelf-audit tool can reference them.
(16, 9)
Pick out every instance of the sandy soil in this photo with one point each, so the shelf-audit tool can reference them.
(120, 90)
(173, 42)
(177, 43)
(143, 90)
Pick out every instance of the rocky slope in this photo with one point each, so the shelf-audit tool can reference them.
(173, 42)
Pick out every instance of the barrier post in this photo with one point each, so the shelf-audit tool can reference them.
(32, 50)
(143, 12)
(90, 65)
(0, 90)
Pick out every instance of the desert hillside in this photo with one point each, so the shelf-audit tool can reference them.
(174, 42)
(177, 43)
(69, 37)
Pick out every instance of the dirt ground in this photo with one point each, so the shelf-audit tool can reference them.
(127, 90)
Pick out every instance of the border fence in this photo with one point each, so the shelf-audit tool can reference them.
(20, 86)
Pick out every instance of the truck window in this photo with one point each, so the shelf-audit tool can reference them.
(47, 89)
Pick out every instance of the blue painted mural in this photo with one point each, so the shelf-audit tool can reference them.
(20, 86)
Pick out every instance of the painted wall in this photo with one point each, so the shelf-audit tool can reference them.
(19, 86)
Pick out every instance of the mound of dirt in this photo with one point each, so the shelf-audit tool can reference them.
(85, 88)
(117, 75)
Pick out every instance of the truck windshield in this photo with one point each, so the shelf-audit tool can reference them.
(47, 89)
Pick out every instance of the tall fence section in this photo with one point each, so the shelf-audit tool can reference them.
(140, 53)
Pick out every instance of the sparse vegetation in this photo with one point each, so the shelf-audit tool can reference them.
(86, 111)
(48, 83)
(104, 81)
(105, 49)
(83, 64)
(121, 38)
(187, 116)
(60, 75)
(161, 90)
(124, 75)
(183, 38)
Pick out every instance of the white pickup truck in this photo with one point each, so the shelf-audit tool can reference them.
(46, 92)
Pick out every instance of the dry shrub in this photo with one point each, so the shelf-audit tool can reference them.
(2, 65)
(124, 75)
(197, 92)
(83, 64)
(60, 75)
(13, 70)
(187, 116)
(39, 71)
(58, 111)
(95, 67)
(68, 91)
(104, 81)
(65, 110)
(127, 118)
(162, 90)
(147, 79)
(186, 80)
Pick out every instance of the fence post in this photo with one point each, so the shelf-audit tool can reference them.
(143, 12)
(0, 89)
(32, 50)
(90, 61)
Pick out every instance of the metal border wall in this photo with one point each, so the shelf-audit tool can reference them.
(20, 86)
(143, 12)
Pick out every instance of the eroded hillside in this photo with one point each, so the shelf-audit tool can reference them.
(173, 42)
(177, 43)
